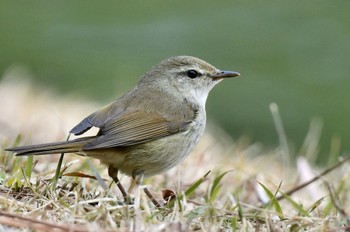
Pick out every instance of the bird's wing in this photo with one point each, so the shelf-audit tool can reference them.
(135, 127)
(96, 119)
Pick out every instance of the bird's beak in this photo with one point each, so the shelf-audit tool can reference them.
(224, 74)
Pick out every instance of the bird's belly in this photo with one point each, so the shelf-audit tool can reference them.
(160, 155)
(150, 158)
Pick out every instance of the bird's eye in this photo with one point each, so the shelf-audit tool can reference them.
(192, 73)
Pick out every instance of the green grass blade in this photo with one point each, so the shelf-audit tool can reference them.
(29, 167)
(234, 223)
(273, 200)
(190, 190)
(97, 175)
(240, 209)
(15, 144)
(58, 169)
(216, 186)
(315, 205)
(196, 184)
(296, 206)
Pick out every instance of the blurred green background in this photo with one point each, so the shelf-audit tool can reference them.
(294, 53)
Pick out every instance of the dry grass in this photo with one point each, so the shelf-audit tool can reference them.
(229, 198)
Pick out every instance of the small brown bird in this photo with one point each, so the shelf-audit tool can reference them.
(151, 128)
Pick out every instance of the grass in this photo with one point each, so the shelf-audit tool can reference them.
(224, 185)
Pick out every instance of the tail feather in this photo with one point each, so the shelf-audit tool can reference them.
(52, 148)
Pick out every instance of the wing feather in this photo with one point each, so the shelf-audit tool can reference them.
(135, 127)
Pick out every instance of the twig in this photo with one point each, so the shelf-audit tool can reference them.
(16, 220)
(303, 185)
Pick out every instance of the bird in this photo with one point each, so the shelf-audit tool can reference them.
(151, 128)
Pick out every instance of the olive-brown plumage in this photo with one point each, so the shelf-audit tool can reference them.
(151, 128)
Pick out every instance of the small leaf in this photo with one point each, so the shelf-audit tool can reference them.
(14, 183)
(168, 195)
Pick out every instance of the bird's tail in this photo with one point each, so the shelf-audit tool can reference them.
(52, 148)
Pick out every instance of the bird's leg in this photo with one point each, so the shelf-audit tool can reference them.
(113, 173)
(137, 177)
